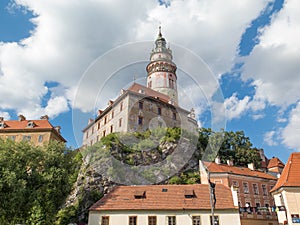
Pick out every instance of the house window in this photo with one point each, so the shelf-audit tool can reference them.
(140, 120)
(235, 185)
(132, 220)
(246, 188)
(121, 106)
(264, 189)
(12, 137)
(40, 139)
(171, 220)
(255, 189)
(159, 111)
(216, 222)
(120, 122)
(105, 220)
(30, 124)
(151, 220)
(257, 204)
(26, 138)
(196, 220)
(141, 105)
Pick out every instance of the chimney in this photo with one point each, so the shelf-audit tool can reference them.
(57, 128)
(21, 117)
(251, 166)
(45, 117)
(218, 160)
(90, 121)
(99, 112)
(229, 162)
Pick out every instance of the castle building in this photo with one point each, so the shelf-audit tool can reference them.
(37, 132)
(140, 107)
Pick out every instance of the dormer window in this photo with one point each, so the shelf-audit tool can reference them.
(2, 125)
(30, 124)
(140, 194)
(189, 194)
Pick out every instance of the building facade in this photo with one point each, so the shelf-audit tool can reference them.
(252, 186)
(139, 107)
(286, 192)
(37, 132)
(164, 205)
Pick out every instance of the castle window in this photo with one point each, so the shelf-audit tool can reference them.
(141, 104)
(26, 138)
(159, 111)
(104, 133)
(111, 128)
(174, 116)
(112, 114)
(140, 120)
(121, 106)
(120, 122)
(98, 126)
(40, 139)
(105, 120)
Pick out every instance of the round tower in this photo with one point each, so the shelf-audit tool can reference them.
(162, 70)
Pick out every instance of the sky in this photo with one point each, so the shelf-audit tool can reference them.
(67, 58)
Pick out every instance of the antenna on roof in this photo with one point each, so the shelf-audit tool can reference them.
(134, 78)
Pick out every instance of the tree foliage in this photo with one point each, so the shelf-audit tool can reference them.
(228, 145)
(34, 181)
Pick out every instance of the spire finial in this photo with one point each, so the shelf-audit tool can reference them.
(159, 31)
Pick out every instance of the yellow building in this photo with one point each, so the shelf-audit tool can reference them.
(36, 131)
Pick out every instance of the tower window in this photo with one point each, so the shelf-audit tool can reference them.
(174, 116)
(120, 122)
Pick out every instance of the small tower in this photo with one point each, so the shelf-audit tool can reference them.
(162, 70)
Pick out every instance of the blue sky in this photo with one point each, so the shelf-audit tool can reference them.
(251, 47)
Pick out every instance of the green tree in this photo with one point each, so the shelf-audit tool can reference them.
(228, 145)
(34, 181)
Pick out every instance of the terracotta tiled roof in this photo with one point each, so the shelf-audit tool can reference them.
(149, 92)
(20, 125)
(164, 197)
(290, 176)
(223, 168)
(275, 162)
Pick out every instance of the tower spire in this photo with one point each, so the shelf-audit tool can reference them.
(159, 31)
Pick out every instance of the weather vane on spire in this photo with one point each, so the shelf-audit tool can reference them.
(159, 32)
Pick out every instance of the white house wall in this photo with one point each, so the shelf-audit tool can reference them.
(226, 217)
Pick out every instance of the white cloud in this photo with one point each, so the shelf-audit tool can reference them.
(70, 34)
(291, 133)
(269, 138)
(273, 65)
(5, 115)
(236, 107)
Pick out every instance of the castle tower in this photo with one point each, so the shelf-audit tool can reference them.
(162, 70)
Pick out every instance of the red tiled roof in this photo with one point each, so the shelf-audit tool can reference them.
(123, 198)
(20, 125)
(223, 168)
(149, 92)
(275, 162)
(290, 176)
